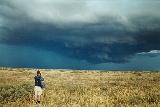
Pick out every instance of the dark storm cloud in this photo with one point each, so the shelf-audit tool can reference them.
(82, 30)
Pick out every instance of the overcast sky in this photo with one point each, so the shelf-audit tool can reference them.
(80, 34)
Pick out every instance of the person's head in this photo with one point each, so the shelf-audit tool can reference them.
(38, 73)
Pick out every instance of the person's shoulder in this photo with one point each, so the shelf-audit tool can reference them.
(42, 78)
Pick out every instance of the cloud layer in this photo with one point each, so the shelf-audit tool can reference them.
(91, 30)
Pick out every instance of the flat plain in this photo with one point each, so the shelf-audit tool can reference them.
(80, 88)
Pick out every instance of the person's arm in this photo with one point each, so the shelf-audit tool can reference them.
(42, 79)
(42, 82)
(34, 80)
(34, 77)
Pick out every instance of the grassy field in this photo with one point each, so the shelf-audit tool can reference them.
(69, 88)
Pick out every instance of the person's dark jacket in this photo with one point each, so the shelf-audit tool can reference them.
(38, 81)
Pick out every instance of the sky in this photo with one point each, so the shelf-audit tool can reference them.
(80, 34)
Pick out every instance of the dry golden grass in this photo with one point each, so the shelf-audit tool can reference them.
(68, 88)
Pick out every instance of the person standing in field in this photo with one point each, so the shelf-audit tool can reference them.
(39, 86)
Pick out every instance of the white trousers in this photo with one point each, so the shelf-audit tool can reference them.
(38, 90)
